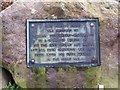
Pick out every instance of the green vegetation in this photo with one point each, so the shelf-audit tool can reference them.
(93, 77)
(39, 75)
(11, 87)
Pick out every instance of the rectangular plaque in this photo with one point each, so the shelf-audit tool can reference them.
(63, 42)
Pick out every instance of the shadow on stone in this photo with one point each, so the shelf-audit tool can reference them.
(7, 78)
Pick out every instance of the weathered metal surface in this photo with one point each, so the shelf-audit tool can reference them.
(63, 42)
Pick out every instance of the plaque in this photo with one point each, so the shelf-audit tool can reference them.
(63, 42)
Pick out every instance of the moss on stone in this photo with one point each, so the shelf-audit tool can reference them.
(93, 75)
(23, 84)
(40, 77)
(1, 65)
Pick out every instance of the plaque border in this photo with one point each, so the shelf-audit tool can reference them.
(78, 64)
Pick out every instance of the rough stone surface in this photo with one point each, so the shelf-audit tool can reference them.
(14, 45)
(51, 77)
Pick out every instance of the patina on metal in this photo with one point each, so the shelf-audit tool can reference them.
(63, 42)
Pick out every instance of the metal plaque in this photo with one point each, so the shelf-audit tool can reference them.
(63, 42)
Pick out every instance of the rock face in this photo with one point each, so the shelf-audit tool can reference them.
(14, 45)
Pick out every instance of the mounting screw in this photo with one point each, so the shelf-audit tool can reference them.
(93, 59)
(32, 25)
(32, 61)
(92, 24)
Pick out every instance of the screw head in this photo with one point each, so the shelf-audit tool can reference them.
(32, 25)
(92, 24)
(93, 59)
(32, 61)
